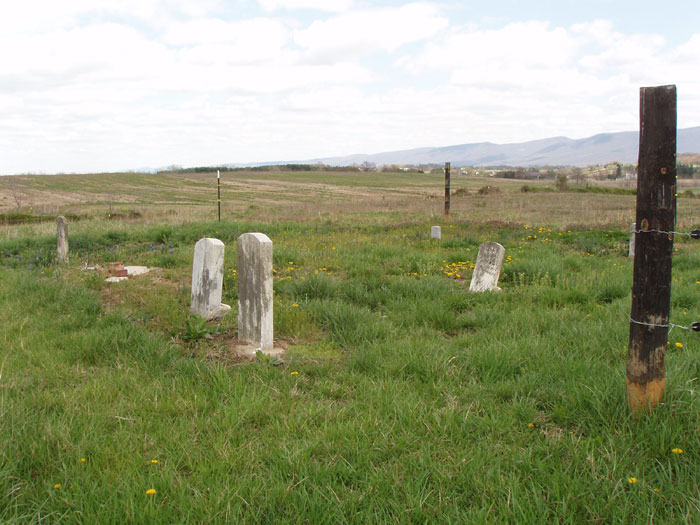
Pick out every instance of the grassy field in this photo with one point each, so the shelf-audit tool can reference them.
(401, 398)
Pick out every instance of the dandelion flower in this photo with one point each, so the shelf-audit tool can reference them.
(632, 481)
(677, 451)
(82, 460)
(530, 425)
(295, 305)
(679, 345)
(295, 373)
(154, 461)
(150, 492)
(57, 486)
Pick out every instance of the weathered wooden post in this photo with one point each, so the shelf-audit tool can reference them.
(447, 189)
(656, 211)
(62, 239)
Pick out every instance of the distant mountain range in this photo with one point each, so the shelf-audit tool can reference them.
(556, 151)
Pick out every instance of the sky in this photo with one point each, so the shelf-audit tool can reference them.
(98, 85)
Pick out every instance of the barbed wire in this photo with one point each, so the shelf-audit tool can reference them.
(695, 234)
(694, 327)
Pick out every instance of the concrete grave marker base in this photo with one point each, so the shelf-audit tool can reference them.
(249, 351)
(218, 313)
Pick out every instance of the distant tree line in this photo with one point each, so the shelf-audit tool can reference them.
(273, 167)
(686, 171)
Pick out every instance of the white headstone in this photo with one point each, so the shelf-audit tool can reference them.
(633, 236)
(62, 239)
(488, 268)
(207, 279)
(255, 324)
(435, 232)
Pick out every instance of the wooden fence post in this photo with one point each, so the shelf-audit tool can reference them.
(447, 189)
(218, 192)
(655, 219)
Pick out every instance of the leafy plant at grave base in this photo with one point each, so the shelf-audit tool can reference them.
(196, 328)
(273, 360)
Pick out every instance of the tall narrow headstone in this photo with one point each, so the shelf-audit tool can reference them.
(62, 239)
(488, 268)
(633, 236)
(207, 279)
(255, 325)
(435, 232)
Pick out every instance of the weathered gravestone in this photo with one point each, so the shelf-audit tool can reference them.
(633, 236)
(62, 239)
(488, 268)
(207, 279)
(435, 232)
(255, 291)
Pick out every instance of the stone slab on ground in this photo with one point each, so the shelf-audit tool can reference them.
(137, 270)
(116, 279)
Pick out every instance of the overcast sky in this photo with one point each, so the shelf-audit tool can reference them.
(106, 85)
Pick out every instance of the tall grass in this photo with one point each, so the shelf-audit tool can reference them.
(402, 398)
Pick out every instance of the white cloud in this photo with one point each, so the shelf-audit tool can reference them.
(215, 41)
(320, 5)
(359, 33)
(188, 83)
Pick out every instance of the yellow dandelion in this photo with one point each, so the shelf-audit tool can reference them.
(333, 248)
(82, 460)
(154, 461)
(295, 373)
(679, 345)
(530, 425)
(632, 481)
(677, 451)
(57, 486)
(150, 492)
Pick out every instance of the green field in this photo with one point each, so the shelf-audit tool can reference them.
(401, 396)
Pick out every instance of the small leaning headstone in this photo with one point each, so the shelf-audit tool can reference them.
(207, 279)
(62, 239)
(255, 320)
(435, 232)
(488, 268)
(633, 236)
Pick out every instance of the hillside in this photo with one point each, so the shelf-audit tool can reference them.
(555, 151)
